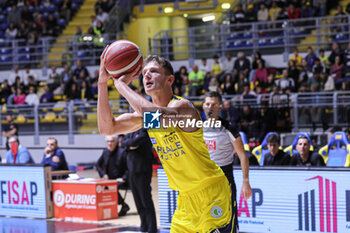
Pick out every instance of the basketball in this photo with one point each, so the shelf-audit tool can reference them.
(122, 57)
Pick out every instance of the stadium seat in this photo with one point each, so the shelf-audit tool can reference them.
(337, 152)
(49, 117)
(61, 22)
(261, 150)
(5, 58)
(245, 141)
(20, 119)
(82, 54)
(2, 34)
(291, 149)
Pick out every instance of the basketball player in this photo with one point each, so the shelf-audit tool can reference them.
(222, 142)
(204, 202)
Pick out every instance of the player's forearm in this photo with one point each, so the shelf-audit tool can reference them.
(104, 112)
(239, 148)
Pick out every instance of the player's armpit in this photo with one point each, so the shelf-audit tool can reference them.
(123, 124)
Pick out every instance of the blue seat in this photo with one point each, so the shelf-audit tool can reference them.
(61, 22)
(6, 51)
(290, 150)
(24, 58)
(260, 151)
(82, 54)
(337, 152)
(3, 26)
(41, 9)
(74, 7)
(245, 141)
(2, 34)
(5, 58)
(2, 18)
(52, 8)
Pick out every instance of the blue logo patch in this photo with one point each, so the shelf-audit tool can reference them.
(153, 140)
(151, 120)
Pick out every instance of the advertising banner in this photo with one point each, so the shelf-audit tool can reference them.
(25, 191)
(283, 201)
(85, 200)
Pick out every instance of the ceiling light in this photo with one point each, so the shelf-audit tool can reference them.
(226, 6)
(168, 10)
(208, 18)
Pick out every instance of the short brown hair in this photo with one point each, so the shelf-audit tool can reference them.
(162, 62)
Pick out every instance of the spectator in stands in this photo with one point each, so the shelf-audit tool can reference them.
(256, 57)
(318, 67)
(196, 79)
(293, 12)
(5, 91)
(216, 70)
(306, 11)
(242, 64)
(260, 75)
(266, 120)
(336, 51)
(228, 87)
(112, 165)
(324, 60)
(242, 81)
(14, 74)
(17, 154)
(180, 76)
(339, 21)
(293, 72)
(274, 14)
(93, 82)
(99, 30)
(32, 98)
(250, 14)
(227, 67)
(101, 15)
(275, 157)
(47, 97)
(10, 99)
(337, 72)
(20, 97)
(66, 74)
(185, 88)
(54, 78)
(205, 68)
(26, 15)
(214, 85)
(100, 4)
(110, 4)
(9, 129)
(14, 16)
(270, 83)
(85, 91)
(22, 33)
(54, 156)
(297, 58)
(305, 157)
(28, 72)
(285, 81)
(310, 57)
(65, 10)
(79, 67)
(347, 62)
(263, 15)
(72, 92)
(11, 32)
(52, 28)
(248, 121)
(139, 163)
(238, 17)
(230, 114)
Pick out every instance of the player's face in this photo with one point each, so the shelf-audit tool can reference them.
(303, 146)
(154, 77)
(273, 147)
(211, 107)
(111, 143)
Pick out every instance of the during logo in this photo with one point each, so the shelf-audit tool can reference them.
(216, 211)
(58, 198)
(151, 120)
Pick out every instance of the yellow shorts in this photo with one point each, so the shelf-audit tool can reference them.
(204, 209)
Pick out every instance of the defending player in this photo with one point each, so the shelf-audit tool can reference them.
(204, 202)
(222, 143)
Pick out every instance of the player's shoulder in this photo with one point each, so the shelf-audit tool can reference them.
(178, 101)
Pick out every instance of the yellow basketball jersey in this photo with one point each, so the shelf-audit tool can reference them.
(184, 156)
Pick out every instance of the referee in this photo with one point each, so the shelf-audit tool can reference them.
(222, 143)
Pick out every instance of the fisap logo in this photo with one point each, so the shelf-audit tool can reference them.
(327, 198)
(151, 120)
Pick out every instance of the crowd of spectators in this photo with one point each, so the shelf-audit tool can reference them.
(22, 88)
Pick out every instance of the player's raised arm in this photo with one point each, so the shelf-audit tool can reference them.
(107, 123)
